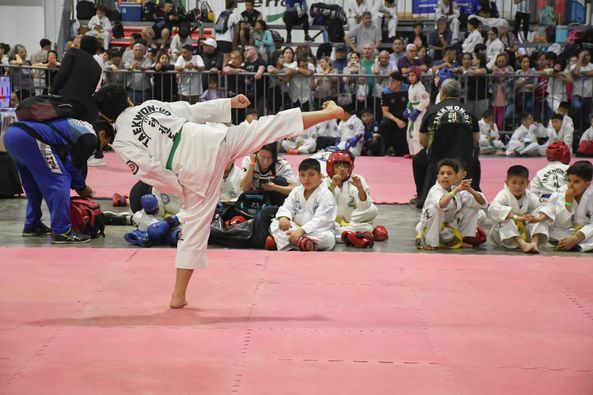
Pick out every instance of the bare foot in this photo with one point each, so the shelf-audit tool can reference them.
(534, 250)
(467, 245)
(331, 107)
(427, 247)
(525, 246)
(177, 302)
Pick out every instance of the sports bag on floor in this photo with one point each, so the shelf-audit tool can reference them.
(86, 217)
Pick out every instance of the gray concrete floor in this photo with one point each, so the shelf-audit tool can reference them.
(400, 221)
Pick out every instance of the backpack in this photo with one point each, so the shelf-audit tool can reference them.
(222, 23)
(252, 202)
(44, 108)
(277, 38)
(86, 217)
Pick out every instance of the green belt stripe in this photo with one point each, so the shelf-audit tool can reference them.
(176, 141)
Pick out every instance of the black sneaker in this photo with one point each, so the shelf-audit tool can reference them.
(38, 230)
(69, 237)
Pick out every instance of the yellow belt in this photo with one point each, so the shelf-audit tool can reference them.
(445, 225)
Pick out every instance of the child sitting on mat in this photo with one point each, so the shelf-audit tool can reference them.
(515, 212)
(489, 138)
(306, 219)
(450, 211)
(552, 177)
(571, 209)
(356, 210)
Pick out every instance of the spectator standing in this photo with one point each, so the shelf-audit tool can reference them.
(382, 68)
(364, 32)
(341, 57)
(41, 55)
(213, 59)
(524, 86)
(254, 84)
(189, 67)
(113, 68)
(138, 83)
(476, 83)
(418, 38)
(226, 38)
(393, 126)
(299, 87)
(39, 58)
(20, 78)
(326, 87)
(582, 93)
(278, 88)
(78, 77)
(165, 81)
(502, 89)
(51, 65)
(296, 14)
(522, 17)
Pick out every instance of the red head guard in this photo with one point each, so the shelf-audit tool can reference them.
(339, 156)
(558, 151)
(415, 70)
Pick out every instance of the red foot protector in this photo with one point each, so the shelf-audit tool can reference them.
(380, 233)
(358, 239)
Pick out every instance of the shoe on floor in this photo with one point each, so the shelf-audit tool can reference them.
(69, 237)
(38, 230)
(96, 162)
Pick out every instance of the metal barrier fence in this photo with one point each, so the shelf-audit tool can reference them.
(506, 95)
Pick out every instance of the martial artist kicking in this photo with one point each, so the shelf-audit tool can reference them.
(183, 149)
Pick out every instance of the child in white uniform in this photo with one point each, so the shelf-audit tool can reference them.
(450, 211)
(559, 130)
(418, 101)
(524, 140)
(489, 138)
(350, 128)
(356, 210)
(171, 147)
(514, 211)
(306, 219)
(552, 177)
(571, 208)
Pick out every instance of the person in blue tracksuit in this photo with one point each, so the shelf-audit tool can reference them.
(51, 159)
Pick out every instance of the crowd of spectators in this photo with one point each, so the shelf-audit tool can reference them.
(498, 73)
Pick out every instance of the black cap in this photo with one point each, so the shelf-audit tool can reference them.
(341, 47)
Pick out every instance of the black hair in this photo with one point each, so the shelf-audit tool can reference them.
(310, 164)
(345, 101)
(480, 48)
(366, 111)
(487, 114)
(551, 56)
(44, 42)
(189, 47)
(106, 127)
(54, 52)
(524, 116)
(230, 4)
(102, 8)
(114, 52)
(89, 44)
(250, 111)
(582, 169)
(494, 30)
(419, 24)
(557, 116)
(475, 22)
(564, 105)
(449, 49)
(135, 36)
(273, 149)
(518, 171)
(523, 57)
(111, 100)
(263, 23)
(452, 163)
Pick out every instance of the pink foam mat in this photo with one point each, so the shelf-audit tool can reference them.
(390, 179)
(95, 321)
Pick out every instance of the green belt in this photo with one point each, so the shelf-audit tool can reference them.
(176, 141)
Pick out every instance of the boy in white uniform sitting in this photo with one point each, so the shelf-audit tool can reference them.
(552, 177)
(356, 210)
(571, 208)
(304, 144)
(350, 129)
(560, 131)
(306, 219)
(489, 138)
(524, 141)
(514, 211)
(450, 211)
